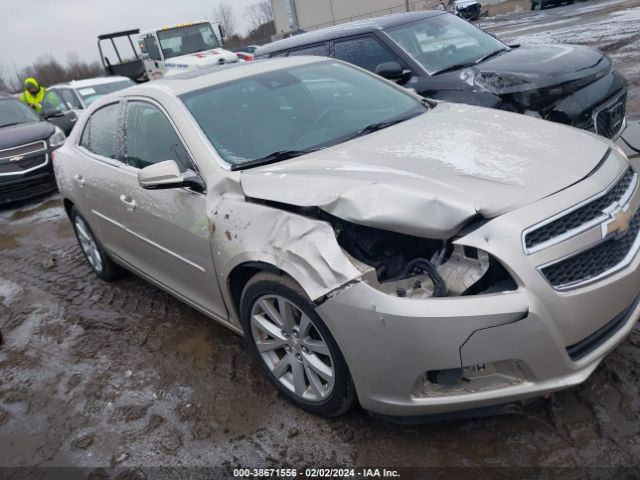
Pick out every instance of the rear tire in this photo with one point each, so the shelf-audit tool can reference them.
(99, 261)
(294, 347)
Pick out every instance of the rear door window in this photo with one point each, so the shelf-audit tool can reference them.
(316, 50)
(100, 135)
(366, 52)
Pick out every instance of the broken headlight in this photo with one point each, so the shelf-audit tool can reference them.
(413, 267)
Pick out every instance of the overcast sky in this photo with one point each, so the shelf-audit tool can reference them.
(58, 27)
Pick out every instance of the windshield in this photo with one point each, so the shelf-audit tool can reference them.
(91, 93)
(444, 42)
(185, 40)
(12, 112)
(296, 110)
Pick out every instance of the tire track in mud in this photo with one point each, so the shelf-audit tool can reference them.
(123, 357)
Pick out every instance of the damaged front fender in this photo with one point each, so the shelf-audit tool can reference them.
(304, 248)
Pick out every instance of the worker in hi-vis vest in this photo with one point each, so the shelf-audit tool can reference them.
(33, 94)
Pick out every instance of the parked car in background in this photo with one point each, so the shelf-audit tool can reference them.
(444, 57)
(77, 95)
(244, 56)
(64, 102)
(430, 257)
(542, 4)
(251, 49)
(467, 9)
(26, 145)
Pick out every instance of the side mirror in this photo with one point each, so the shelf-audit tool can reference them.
(166, 175)
(393, 71)
(53, 113)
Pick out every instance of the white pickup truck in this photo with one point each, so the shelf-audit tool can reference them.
(165, 51)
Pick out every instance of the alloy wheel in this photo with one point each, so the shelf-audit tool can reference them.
(292, 348)
(88, 244)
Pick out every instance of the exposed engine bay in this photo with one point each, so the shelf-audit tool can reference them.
(414, 267)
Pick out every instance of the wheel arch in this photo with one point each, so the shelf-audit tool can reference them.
(68, 205)
(240, 276)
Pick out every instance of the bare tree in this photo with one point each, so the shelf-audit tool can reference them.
(47, 70)
(259, 14)
(4, 80)
(225, 14)
(77, 69)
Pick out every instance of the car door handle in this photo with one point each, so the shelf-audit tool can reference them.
(130, 203)
(79, 179)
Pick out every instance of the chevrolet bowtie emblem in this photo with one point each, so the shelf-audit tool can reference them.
(17, 158)
(620, 222)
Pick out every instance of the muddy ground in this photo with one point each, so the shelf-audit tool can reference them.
(122, 374)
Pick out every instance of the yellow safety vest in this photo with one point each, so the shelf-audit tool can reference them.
(34, 101)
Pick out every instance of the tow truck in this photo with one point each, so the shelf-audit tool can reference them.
(165, 51)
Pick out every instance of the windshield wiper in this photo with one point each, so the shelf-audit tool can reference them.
(11, 124)
(470, 64)
(374, 127)
(274, 157)
(492, 54)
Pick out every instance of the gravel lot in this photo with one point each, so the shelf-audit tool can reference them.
(122, 374)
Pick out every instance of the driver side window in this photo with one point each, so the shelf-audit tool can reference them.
(53, 102)
(150, 138)
(71, 98)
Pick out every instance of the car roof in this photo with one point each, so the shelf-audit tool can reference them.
(88, 82)
(218, 74)
(347, 29)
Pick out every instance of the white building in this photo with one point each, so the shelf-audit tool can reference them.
(313, 14)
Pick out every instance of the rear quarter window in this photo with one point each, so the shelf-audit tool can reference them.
(100, 134)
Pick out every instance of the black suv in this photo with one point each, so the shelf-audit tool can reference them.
(444, 57)
(26, 145)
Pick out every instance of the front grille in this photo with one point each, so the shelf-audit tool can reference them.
(594, 261)
(600, 336)
(30, 148)
(23, 158)
(609, 120)
(22, 165)
(582, 215)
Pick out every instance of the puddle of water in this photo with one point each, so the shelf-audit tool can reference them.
(198, 347)
(25, 213)
(7, 241)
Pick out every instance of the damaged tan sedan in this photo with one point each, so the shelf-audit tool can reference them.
(420, 258)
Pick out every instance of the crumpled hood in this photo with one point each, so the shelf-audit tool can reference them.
(535, 67)
(198, 60)
(429, 175)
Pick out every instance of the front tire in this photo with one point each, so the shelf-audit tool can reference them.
(294, 346)
(99, 261)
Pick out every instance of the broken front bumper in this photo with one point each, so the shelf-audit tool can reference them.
(413, 357)
(507, 344)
